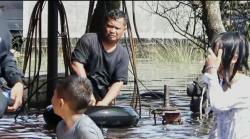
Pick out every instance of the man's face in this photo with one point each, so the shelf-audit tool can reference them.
(114, 29)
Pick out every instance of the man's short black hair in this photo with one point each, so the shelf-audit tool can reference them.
(116, 14)
(76, 91)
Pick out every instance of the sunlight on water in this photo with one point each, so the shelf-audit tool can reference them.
(25, 127)
(154, 76)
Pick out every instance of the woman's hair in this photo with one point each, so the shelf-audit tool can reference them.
(76, 91)
(231, 43)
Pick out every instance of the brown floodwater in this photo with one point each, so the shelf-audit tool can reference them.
(153, 75)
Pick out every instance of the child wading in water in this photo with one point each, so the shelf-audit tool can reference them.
(71, 97)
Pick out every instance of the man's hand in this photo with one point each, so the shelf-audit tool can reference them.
(79, 69)
(17, 96)
(102, 103)
(113, 92)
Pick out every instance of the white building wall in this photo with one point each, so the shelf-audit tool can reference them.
(149, 25)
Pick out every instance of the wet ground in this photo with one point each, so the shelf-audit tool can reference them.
(154, 76)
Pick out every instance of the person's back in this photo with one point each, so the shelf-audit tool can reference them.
(84, 128)
(232, 114)
(8, 68)
(5, 39)
(9, 73)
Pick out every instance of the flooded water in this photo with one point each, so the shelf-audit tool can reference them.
(153, 75)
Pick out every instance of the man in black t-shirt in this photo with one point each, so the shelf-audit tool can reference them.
(99, 57)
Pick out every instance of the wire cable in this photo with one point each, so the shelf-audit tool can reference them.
(34, 43)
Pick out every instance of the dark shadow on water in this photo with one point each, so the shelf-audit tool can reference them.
(29, 127)
(33, 126)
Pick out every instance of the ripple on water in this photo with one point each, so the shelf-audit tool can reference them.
(154, 77)
(31, 127)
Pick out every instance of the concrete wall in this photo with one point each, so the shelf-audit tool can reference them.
(149, 25)
(12, 12)
(17, 14)
(76, 13)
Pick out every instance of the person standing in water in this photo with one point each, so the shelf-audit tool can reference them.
(100, 58)
(228, 86)
(70, 99)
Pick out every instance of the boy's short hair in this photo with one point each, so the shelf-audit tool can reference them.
(76, 91)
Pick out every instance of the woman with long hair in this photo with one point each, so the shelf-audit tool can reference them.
(229, 86)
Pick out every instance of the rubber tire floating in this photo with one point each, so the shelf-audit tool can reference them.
(103, 116)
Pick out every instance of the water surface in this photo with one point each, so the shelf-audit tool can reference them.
(153, 75)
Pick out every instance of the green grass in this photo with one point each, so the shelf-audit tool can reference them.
(173, 51)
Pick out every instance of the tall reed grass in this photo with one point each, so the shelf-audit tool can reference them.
(172, 50)
(167, 50)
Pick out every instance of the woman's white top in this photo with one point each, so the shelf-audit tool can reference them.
(231, 108)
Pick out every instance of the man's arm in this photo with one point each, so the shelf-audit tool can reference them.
(113, 92)
(14, 78)
(9, 69)
(120, 78)
(80, 56)
(79, 69)
(17, 96)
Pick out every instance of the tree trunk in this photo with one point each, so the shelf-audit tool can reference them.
(212, 18)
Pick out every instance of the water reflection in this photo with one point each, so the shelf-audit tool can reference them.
(154, 76)
(25, 127)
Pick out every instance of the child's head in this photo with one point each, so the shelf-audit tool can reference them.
(73, 94)
(235, 53)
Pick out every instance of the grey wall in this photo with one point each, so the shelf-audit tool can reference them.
(12, 12)
(149, 25)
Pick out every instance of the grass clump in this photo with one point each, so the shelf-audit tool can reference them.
(172, 51)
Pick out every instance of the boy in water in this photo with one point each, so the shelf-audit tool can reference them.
(71, 97)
